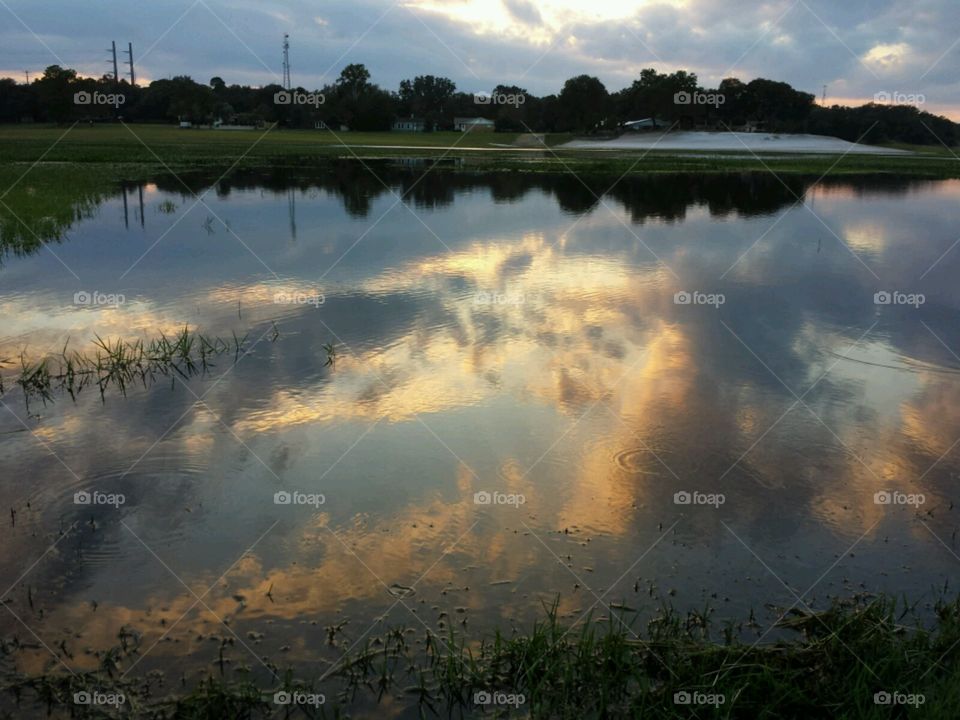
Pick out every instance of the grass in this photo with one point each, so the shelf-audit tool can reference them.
(120, 363)
(41, 205)
(831, 665)
(136, 148)
(143, 143)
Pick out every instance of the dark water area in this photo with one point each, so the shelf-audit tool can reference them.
(726, 391)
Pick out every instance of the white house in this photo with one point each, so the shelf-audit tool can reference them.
(463, 124)
(410, 124)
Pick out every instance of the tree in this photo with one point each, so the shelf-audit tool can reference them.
(16, 101)
(55, 92)
(655, 95)
(584, 103)
(179, 98)
(778, 104)
(354, 81)
(429, 97)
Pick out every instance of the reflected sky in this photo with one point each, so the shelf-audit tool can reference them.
(504, 333)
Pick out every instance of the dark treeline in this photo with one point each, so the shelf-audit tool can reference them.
(583, 105)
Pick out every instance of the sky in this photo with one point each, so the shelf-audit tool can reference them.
(857, 48)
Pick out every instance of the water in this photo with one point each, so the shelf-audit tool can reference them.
(505, 337)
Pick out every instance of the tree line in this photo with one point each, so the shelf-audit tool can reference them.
(583, 105)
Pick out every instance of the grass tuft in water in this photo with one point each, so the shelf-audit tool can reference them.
(119, 363)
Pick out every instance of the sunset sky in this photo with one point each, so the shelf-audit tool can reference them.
(856, 48)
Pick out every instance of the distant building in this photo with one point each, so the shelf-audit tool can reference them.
(410, 124)
(463, 124)
(645, 124)
(753, 126)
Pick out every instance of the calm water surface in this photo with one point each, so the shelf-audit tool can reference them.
(497, 336)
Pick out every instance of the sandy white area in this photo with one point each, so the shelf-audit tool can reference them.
(730, 141)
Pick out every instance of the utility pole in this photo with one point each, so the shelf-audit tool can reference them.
(823, 99)
(129, 52)
(27, 73)
(286, 61)
(113, 52)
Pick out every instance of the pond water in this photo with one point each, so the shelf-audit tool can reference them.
(678, 389)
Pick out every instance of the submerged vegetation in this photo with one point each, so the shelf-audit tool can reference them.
(120, 363)
(859, 659)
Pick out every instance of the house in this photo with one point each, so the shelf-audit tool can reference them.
(463, 124)
(410, 124)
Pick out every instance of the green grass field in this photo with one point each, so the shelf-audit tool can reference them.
(133, 143)
(153, 148)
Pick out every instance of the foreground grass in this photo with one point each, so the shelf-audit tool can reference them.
(833, 666)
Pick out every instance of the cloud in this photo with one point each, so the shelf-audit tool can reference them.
(523, 11)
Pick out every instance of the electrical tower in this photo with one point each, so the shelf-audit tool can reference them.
(286, 61)
(823, 99)
(129, 52)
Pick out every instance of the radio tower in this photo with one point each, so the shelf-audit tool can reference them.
(286, 61)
